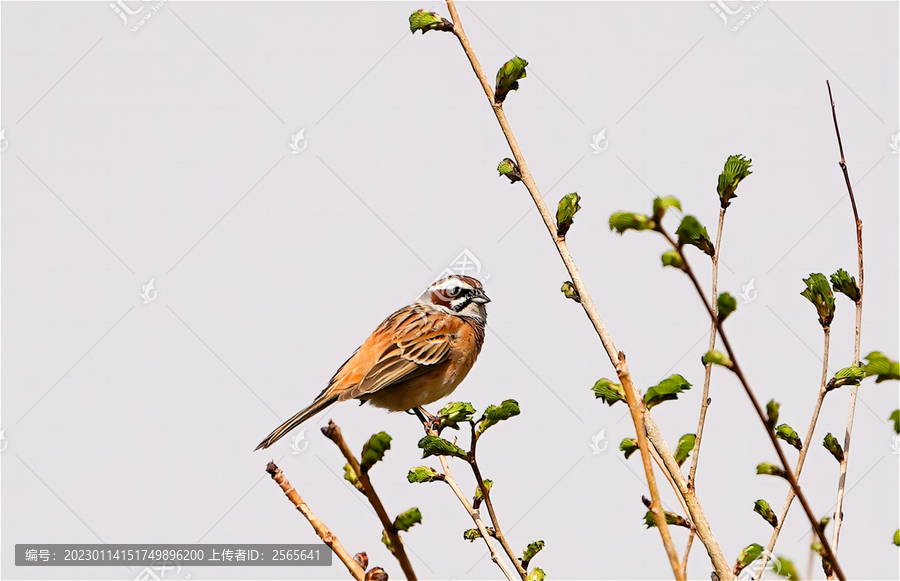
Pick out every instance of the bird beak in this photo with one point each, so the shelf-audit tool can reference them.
(480, 298)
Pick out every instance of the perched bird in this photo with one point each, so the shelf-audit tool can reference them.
(418, 355)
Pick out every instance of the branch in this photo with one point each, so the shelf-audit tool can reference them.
(333, 432)
(839, 513)
(736, 369)
(704, 405)
(586, 301)
(806, 443)
(326, 535)
(486, 494)
(473, 512)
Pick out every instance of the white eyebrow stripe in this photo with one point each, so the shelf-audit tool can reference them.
(451, 282)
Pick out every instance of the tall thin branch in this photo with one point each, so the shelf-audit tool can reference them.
(333, 432)
(486, 494)
(736, 369)
(326, 535)
(839, 512)
(801, 459)
(586, 301)
(707, 374)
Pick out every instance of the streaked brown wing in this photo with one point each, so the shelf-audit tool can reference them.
(417, 339)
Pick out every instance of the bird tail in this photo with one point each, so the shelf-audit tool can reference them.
(300, 417)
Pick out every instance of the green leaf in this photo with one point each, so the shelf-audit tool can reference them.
(842, 282)
(897, 538)
(672, 258)
(536, 574)
(661, 205)
(671, 518)
(716, 358)
(693, 233)
(750, 553)
(770, 469)
(509, 169)
(386, 540)
(772, 409)
(487, 484)
(608, 391)
(895, 417)
(762, 508)
(421, 474)
(565, 213)
(623, 221)
(665, 390)
(435, 446)
(789, 435)
(852, 375)
(373, 451)
(823, 522)
(472, 534)
(684, 448)
(832, 445)
(405, 520)
(569, 290)
(425, 21)
(508, 78)
(726, 304)
(352, 477)
(879, 364)
(819, 294)
(629, 446)
(785, 568)
(530, 551)
(455, 412)
(737, 167)
(496, 414)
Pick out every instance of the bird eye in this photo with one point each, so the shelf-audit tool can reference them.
(454, 291)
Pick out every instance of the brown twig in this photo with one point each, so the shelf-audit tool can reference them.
(839, 513)
(333, 432)
(586, 301)
(707, 374)
(801, 458)
(736, 369)
(474, 513)
(486, 494)
(326, 535)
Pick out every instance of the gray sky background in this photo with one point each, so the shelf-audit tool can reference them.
(164, 154)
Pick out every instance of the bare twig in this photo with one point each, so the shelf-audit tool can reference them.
(586, 301)
(333, 432)
(326, 535)
(486, 494)
(801, 459)
(839, 512)
(736, 369)
(707, 374)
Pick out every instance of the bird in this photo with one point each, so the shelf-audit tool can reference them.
(416, 356)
